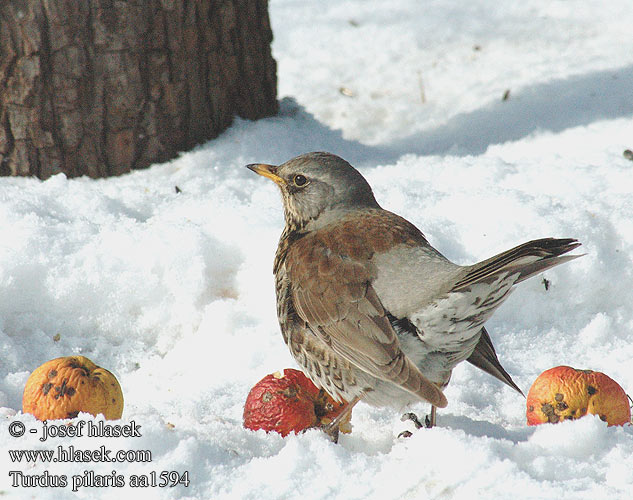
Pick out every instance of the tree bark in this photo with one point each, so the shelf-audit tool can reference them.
(100, 87)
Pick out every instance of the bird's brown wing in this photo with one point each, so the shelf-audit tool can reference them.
(331, 292)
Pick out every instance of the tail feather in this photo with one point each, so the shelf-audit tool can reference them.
(541, 265)
(527, 259)
(523, 261)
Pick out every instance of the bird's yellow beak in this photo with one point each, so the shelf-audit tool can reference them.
(269, 171)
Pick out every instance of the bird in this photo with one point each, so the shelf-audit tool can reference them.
(367, 307)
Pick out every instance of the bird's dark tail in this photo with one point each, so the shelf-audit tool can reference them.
(527, 259)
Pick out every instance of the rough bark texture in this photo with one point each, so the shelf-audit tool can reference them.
(101, 87)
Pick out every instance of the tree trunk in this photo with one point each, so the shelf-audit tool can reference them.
(100, 87)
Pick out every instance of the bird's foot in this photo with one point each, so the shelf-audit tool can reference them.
(414, 418)
(429, 421)
(333, 428)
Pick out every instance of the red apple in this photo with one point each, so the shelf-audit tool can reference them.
(290, 402)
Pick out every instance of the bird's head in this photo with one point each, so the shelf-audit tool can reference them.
(315, 186)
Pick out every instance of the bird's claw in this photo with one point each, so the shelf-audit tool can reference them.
(414, 418)
(428, 423)
(332, 430)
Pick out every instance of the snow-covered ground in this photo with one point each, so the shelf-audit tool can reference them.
(173, 292)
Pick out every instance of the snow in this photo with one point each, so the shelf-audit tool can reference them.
(173, 291)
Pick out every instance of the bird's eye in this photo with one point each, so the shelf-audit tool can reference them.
(299, 180)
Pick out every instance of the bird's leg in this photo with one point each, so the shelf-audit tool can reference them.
(332, 428)
(429, 421)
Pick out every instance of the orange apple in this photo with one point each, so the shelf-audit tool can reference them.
(63, 387)
(565, 393)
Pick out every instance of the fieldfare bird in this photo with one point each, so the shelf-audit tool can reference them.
(368, 308)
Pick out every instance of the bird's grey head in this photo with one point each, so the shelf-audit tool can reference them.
(315, 185)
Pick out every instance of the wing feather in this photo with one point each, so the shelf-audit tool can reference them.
(344, 311)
